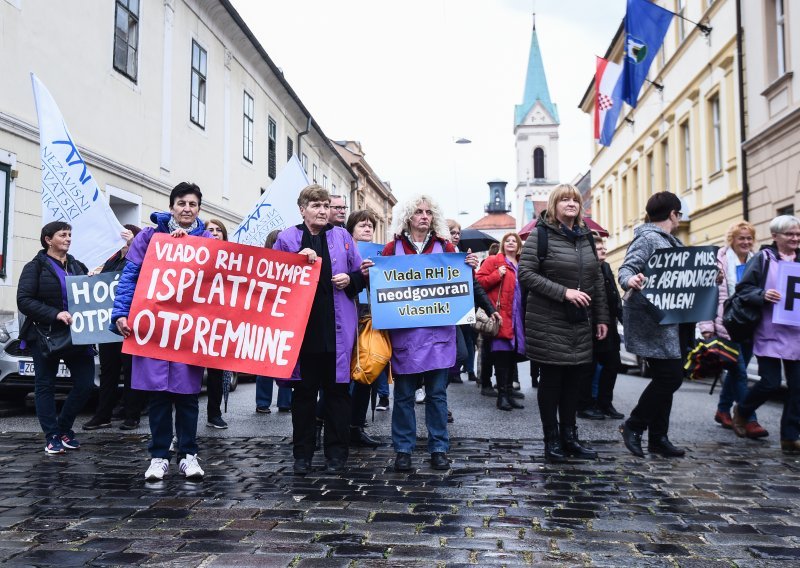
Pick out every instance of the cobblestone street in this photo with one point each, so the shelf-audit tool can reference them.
(729, 503)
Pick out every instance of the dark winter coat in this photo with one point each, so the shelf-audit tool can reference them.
(39, 294)
(644, 335)
(551, 338)
(612, 341)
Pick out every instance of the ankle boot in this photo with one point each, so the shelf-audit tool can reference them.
(512, 400)
(572, 445)
(360, 439)
(503, 400)
(553, 451)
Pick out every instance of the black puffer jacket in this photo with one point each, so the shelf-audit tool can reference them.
(550, 338)
(612, 341)
(39, 294)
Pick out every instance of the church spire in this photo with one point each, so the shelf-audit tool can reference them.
(535, 83)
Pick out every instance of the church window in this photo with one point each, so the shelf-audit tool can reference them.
(538, 164)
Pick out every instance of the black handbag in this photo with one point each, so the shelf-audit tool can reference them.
(54, 342)
(740, 318)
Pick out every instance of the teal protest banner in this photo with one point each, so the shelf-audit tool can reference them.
(421, 290)
(90, 300)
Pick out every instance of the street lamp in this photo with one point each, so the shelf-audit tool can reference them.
(461, 141)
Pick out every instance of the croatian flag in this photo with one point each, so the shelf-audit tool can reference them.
(69, 190)
(608, 100)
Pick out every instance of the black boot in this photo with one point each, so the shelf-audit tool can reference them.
(318, 437)
(572, 445)
(360, 439)
(503, 401)
(552, 445)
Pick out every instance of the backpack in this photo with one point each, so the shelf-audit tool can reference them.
(371, 352)
(739, 318)
(542, 241)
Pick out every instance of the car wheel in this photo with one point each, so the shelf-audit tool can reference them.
(644, 368)
(234, 382)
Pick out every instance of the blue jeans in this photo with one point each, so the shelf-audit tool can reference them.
(383, 384)
(264, 387)
(769, 369)
(81, 367)
(734, 385)
(186, 412)
(404, 420)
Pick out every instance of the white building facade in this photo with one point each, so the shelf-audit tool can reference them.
(154, 93)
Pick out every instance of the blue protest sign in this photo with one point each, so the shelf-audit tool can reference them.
(421, 290)
(90, 300)
(367, 250)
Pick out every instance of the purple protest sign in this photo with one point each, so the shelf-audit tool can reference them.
(787, 311)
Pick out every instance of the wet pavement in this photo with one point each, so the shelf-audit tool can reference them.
(730, 502)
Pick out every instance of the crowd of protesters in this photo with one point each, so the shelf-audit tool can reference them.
(554, 298)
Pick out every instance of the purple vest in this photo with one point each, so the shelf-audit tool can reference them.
(420, 349)
(344, 258)
(774, 339)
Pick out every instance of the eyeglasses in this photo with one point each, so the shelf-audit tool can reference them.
(339, 207)
(791, 235)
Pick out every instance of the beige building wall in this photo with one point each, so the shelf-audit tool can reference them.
(772, 146)
(136, 136)
(684, 139)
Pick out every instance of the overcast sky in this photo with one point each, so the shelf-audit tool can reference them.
(407, 78)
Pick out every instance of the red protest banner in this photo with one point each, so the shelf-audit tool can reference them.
(221, 305)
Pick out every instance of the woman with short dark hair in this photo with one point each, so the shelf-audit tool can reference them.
(42, 298)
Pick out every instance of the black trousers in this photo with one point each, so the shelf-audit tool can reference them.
(558, 392)
(608, 376)
(487, 361)
(318, 371)
(214, 393)
(654, 406)
(361, 396)
(113, 363)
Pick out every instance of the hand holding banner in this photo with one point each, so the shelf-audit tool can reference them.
(221, 305)
(682, 283)
(421, 290)
(367, 250)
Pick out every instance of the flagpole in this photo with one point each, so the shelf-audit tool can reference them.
(703, 28)
(659, 87)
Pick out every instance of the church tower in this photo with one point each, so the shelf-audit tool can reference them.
(536, 131)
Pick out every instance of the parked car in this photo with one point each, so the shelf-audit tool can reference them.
(629, 360)
(16, 364)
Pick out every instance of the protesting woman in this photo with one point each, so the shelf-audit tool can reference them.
(214, 377)
(422, 353)
(361, 225)
(42, 298)
(324, 361)
(775, 345)
(498, 277)
(661, 345)
(732, 259)
(171, 385)
(566, 309)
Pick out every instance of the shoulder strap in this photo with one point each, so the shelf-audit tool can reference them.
(541, 241)
(594, 244)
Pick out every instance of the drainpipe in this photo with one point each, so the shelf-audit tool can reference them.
(742, 133)
(300, 137)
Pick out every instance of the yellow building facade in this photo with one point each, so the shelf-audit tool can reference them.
(684, 137)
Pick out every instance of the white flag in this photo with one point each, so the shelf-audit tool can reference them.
(277, 208)
(69, 191)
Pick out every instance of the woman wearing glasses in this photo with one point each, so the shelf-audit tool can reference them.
(774, 345)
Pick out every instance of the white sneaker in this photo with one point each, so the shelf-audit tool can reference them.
(157, 470)
(419, 395)
(190, 468)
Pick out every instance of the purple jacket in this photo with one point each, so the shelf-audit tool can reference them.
(344, 258)
(154, 374)
(420, 349)
(772, 339)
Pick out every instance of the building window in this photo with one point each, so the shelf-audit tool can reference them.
(247, 127)
(780, 38)
(314, 175)
(304, 161)
(272, 147)
(680, 13)
(686, 139)
(289, 148)
(126, 37)
(665, 157)
(787, 210)
(324, 181)
(716, 134)
(333, 188)
(538, 164)
(197, 112)
(633, 197)
(651, 175)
